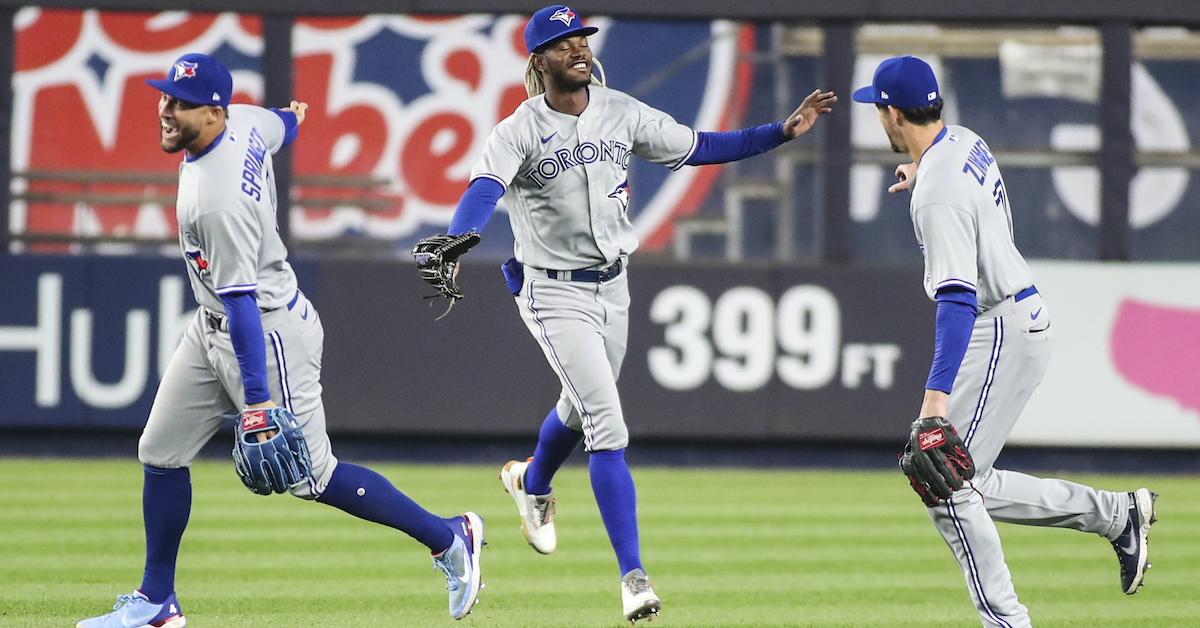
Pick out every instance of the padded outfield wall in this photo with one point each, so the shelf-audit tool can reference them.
(716, 352)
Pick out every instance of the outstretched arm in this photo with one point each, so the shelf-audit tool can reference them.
(727, 146)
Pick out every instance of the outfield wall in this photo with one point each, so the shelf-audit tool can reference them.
(716, 352)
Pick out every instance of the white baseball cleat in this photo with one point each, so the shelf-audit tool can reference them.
(137, 611)
(537, 511)
(460, 563)
(637, 598)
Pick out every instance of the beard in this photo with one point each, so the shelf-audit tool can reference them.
(565, 82)
(182, 140)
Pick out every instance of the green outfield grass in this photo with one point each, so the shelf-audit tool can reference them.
(723, 547)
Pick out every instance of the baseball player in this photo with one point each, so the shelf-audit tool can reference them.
(255, 347)
(560, 162)
(993, 339)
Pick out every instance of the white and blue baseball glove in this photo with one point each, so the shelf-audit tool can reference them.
(277, 463)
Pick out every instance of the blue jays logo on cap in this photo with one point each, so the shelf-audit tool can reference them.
(184, 69)
(208, 82)
(551, 23)
(564, 15)
(905, 82)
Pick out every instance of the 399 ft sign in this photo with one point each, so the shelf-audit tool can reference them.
(745, 338)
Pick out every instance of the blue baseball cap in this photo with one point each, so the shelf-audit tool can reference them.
(906, 82)
(554, 22)
(198, 79)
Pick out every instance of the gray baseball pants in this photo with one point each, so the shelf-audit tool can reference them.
(582, 327)
(202, 385)
(1005, 362)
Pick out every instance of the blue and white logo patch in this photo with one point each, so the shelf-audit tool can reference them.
(564, 15)
(622, 195)
(184, 69)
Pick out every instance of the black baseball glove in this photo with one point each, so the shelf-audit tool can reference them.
(935, 460)
(437, 259)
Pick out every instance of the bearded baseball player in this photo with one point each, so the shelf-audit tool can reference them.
(993, 339)
(560, 162)
(253, 351)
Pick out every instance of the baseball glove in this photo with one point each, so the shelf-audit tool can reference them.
(935, 460)
(437, 260)
(276, 464)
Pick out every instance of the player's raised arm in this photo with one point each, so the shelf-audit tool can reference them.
(726, 146)
(291, 116)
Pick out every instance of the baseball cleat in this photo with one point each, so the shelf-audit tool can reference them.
(638, 598)
(537, 511)
(1132, 546)
(460, 563)
(137, 611)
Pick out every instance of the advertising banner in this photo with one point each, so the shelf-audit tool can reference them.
(716, 352)
(403, 103)
(744, 353)
(1126, 365)
(84, 340)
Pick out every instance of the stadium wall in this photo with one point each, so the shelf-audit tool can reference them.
(754, 353)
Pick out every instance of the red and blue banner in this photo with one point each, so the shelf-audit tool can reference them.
(406, 99)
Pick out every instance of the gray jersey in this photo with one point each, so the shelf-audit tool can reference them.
(963, 222)
(565, 176)
(226, 214)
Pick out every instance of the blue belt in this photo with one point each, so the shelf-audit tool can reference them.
(295, 297)
(590, 276)
(1026, 293)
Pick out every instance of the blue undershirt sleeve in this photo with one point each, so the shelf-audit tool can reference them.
(726, 146)
(246, 334)
(476, 206)
(291, 128)
(956, 312)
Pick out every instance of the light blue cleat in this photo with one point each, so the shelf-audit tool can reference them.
(136, 611)
(460, 563)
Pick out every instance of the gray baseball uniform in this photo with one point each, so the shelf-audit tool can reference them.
(567, 194)
(226, 214)
(963, 222)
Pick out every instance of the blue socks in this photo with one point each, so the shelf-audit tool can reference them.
(368, 495)
(555, 443)
(611, 483)
(166, 504)
(615, 495)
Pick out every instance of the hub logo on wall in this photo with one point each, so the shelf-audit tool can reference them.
(406, 100)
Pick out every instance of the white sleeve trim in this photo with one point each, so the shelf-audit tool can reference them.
(231, 289)
(493, 177)
(962, 283)
(691, 151)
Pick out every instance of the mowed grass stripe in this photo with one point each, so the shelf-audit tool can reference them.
(724, 547)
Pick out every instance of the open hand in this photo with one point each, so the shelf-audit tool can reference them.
(806, 114)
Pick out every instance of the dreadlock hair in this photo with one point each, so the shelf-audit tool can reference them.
(535, 85)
